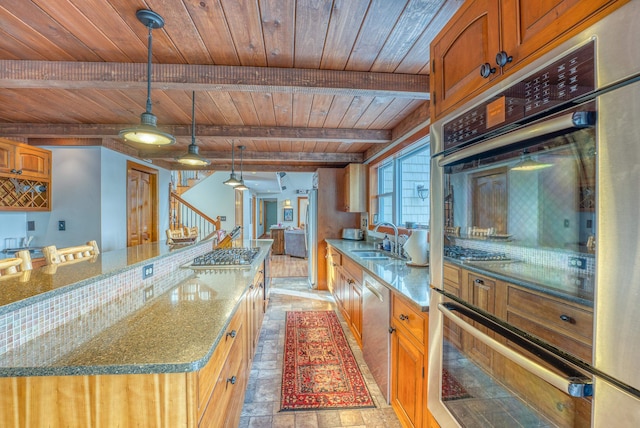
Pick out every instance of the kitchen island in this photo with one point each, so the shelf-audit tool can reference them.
(181, 359)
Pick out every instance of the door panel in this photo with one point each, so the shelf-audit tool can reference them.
(142, 208)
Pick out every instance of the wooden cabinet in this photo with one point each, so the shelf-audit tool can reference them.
(277, 235)
(558, 322)
(486, 39)
(408, 361)
(344, 279)
(255, 312)
(24, 161)
(453, 285)
(25, 177)
(355, 188)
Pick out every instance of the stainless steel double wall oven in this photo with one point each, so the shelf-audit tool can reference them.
(536, 280)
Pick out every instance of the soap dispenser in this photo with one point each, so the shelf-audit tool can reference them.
(386, 244)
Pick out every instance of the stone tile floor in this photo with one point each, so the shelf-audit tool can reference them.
(262, 400)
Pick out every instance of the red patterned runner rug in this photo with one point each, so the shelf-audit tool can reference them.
(451, 388)
(320, 371)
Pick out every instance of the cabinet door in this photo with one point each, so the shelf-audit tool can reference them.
(470, 39)
(530, 25)
(355, 188)
(482, 294)
(7, 157)
(33, 162)
(407, 371)
(356, 310)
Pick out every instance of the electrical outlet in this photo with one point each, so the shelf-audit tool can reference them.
(31, 226)
(223, 218)
(364, 221)
(147, 271)
(62, 225)
(148, 293)
(578, 262)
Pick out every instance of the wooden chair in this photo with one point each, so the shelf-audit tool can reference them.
(182, 235)
(16, 266)
(61, 256)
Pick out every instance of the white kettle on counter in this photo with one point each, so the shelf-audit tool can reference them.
(417, 247)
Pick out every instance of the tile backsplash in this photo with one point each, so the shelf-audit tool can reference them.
(67, 319)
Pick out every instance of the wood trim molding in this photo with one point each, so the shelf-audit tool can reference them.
(126, 76)
(70, 131)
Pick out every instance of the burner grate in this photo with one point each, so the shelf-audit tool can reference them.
(473, 255)
(226, 257)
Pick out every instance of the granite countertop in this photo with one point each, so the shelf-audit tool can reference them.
(411, 282)
(571, 286)
(37, 284)
(175, 332)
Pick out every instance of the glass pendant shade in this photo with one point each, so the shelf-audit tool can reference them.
(147, 132)
(192, 157)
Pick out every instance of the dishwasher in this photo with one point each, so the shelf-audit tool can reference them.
(376, 341)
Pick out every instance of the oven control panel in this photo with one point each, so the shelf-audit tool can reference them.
(564, 80)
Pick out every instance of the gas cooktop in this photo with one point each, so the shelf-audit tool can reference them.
(473, 255)
(226, 257)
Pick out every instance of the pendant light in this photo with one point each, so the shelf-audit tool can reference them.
(528, 164)
(241, 186)
(232, 180)
(192, 157)
(147, 132)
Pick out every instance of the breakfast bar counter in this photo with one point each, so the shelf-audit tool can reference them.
(174, 332)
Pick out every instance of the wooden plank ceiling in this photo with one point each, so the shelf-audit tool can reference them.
(300, 83)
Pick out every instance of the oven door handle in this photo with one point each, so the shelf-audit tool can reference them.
(575, 386)
(578, 119)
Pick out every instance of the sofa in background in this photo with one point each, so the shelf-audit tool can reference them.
(295, 243)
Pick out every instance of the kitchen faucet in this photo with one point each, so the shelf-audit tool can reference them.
(397, 249)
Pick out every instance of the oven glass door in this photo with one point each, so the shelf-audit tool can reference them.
(481, 387)
(520, 221)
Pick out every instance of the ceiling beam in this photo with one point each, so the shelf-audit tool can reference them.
(251, 157)
(124, 76)
(269, 133)
(266, 167)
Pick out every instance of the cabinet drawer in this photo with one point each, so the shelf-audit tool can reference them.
(408, 318)
(209, 373)
(228, 386)
(352, 269)
(334, 257)
(452, 274)
(554, 314)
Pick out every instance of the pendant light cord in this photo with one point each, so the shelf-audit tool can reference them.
(150, 26)
(193, 117)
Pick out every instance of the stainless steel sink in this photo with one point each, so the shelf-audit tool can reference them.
(371, 254)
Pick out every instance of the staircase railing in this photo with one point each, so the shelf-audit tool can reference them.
(183, 214)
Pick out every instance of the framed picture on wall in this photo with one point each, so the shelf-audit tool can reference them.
(288, 214)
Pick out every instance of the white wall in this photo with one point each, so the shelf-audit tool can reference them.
(214, 198)
(293, 181)
(89, 192)
(12, 225)
(75, 198)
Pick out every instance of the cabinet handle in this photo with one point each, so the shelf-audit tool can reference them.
(567, 318)
(350, 281)
(403, 317)
(232, 380)
(261, 271)
(486, 70)
(16, 171)
(391, 330)
(502, 58)
(232, 334)
(480, 283)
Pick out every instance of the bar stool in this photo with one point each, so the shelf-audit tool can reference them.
(17, 266)
(62, 256)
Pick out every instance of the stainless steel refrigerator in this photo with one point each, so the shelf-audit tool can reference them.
(312, 238)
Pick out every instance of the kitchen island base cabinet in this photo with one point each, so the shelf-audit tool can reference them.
(209, 397)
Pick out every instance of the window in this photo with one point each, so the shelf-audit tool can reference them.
(402, 193)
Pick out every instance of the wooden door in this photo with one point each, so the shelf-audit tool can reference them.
(470, 39)
(482, 294)
(142, 204)
(489, 196)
